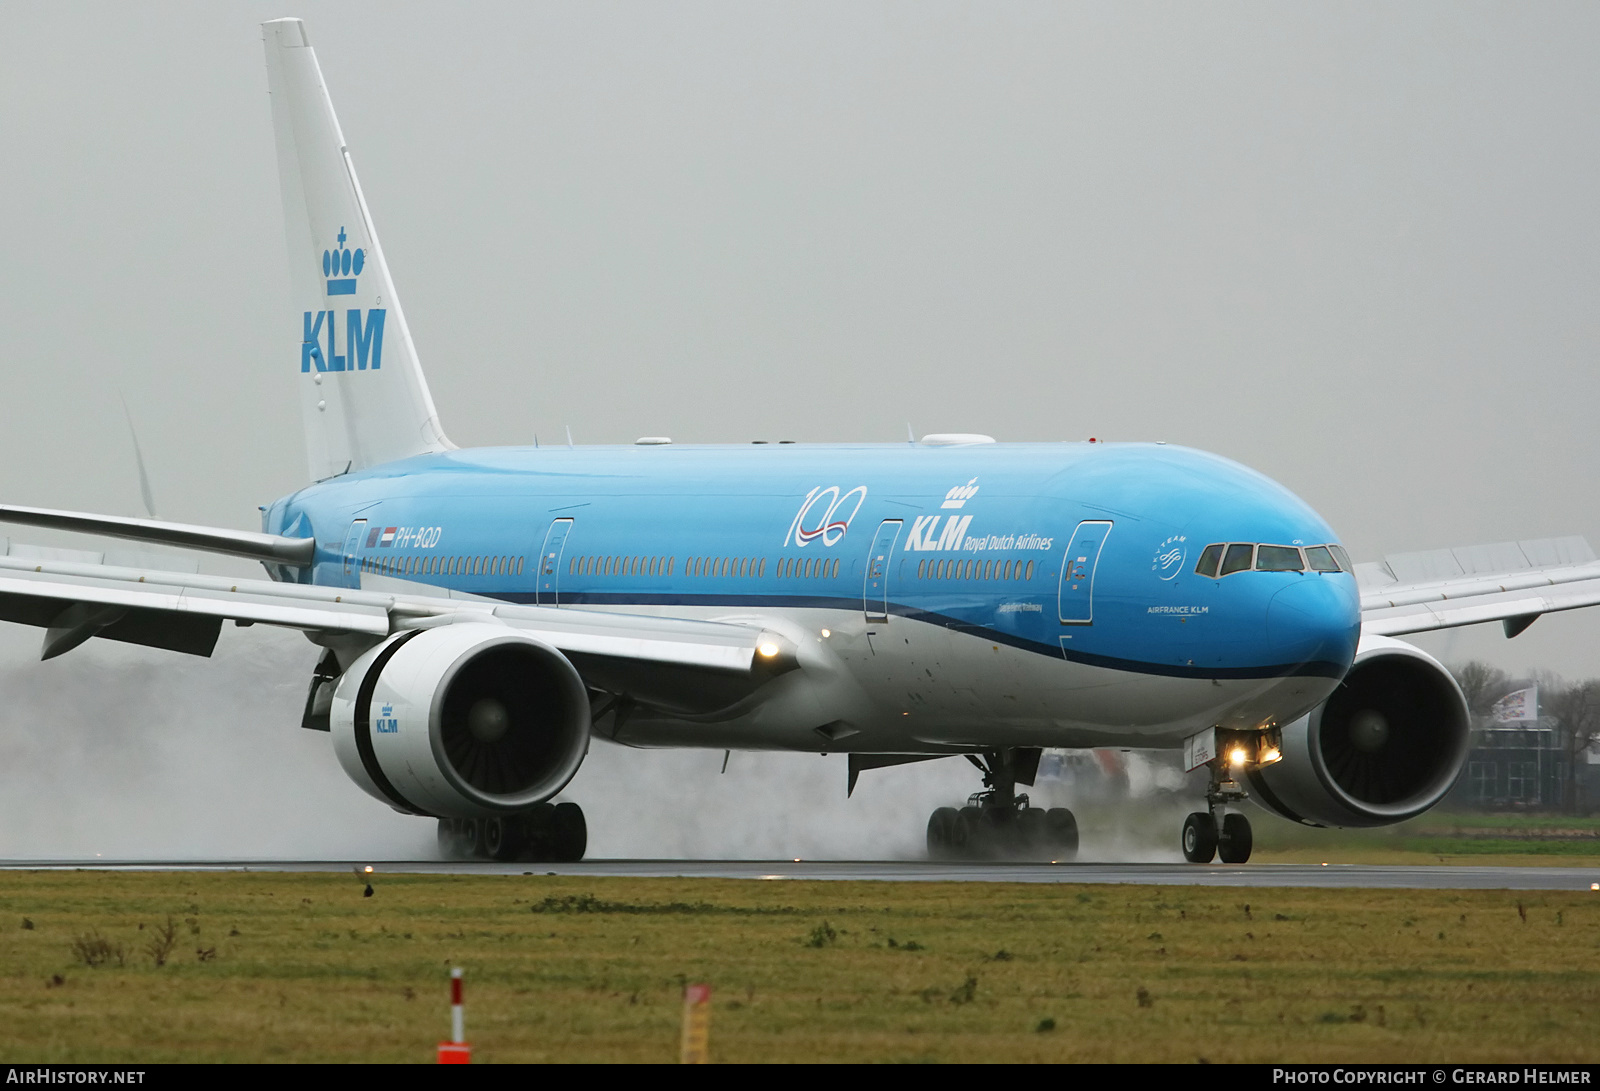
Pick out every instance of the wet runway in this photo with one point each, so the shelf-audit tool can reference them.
(1441, 877)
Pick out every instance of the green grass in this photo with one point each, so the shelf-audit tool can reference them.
(1529, 840)
(303, 968)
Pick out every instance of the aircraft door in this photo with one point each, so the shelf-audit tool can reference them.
(1077, 571)
(352, 552)
(548, 588)
(875, 593)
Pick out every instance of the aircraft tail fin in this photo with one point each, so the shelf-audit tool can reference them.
(363, 397)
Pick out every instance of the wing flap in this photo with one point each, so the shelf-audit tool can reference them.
(1511, 582)
(178, 610)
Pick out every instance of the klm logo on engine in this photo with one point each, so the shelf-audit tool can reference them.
(387, 723)
(363, 330)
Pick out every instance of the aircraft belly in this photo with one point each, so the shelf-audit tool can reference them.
(909, 686)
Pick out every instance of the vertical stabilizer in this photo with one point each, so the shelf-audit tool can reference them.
(362, 395)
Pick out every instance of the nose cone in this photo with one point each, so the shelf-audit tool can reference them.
(1315, 619)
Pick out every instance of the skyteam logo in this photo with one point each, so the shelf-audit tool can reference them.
(826, 514)
(341, 267)
(363, 330)
(1168, 560)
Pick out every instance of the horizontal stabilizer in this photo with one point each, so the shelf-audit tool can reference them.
(251, 545)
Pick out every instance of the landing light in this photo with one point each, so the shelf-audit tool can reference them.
(826, 634)
(768, 650)
(1269, 755)
(1237, 756)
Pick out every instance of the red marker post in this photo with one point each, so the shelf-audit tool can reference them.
(456, 1051)
(696, 1046)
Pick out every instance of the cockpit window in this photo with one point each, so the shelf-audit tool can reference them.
(1320, 558)
(1276, 558)
(1237, 559)
(1224, 559)
(1208, 561)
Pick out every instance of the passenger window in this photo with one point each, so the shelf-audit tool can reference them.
(1237, 559)
(1029, 576)
(1320, 559)
(1209, 557)
(1273, 558)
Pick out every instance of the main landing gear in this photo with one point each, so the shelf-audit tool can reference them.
(998, 823)
(549, 833)
(1205, 837)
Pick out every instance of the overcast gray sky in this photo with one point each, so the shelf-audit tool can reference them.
(1352, 245)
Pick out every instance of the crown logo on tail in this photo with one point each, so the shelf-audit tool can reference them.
(342, 266)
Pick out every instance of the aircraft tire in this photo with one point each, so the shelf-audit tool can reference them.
(999, 833)
(1061, 833)
(1236, 841)
(1033, 839)
(570, 833)
(1199, 838)
(451, 843)
(472, 841)
(969, 843)
(941, 833)
(505, 836)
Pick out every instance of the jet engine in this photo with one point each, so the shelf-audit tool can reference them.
(471, 720)
(1385, 747)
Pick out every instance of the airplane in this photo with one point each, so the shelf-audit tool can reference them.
(484, 614)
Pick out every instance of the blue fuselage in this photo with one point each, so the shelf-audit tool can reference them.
(1072, 555)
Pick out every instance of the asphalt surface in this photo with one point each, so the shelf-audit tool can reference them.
(1440, 877)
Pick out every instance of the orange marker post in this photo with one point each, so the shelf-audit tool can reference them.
(696, 1025)
(456, 1051)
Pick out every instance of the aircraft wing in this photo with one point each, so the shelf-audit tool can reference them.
(184, 611)
(1509, 582)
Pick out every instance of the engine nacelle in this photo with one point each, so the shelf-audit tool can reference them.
(1385, 747)
(470, 720)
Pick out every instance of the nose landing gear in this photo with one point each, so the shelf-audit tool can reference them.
(998, 823)
(1204, 837)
